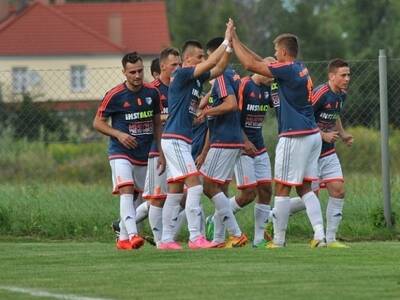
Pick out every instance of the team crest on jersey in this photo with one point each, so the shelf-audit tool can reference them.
(266, 95)
(126, 104)
(148, 100)
(198, 83)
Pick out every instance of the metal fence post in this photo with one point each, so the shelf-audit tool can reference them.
(384, 137)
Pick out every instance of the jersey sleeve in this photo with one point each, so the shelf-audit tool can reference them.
(107, 106)
(223, 87)
(183, 75)
(281, 71)
(243, 91)
(318, 99)
(204, 77)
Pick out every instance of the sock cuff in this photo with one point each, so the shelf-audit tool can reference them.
(195, 189)
(126, 197)
(336, 199)
(281, 198)
(218, 196)
(308, 196)
(264, 207)
(174, 199)
(155, 207)
(234, 204)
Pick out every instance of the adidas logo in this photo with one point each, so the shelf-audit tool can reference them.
(126, 104)
(163, 97)
(252, 95)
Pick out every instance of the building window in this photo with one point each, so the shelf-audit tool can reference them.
(78, 78)
(20, 80)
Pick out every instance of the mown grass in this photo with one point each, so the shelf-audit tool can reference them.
(85, 211)
(366, 271)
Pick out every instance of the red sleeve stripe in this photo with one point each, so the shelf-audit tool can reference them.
(317, 95)
(222, 87)
(107, 98)
(279, 64)
(242, 86)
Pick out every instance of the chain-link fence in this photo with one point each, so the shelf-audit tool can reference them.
(46, 134)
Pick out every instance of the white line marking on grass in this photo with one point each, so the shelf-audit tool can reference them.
(41, 293)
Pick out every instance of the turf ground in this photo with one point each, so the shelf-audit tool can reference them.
(369, 270)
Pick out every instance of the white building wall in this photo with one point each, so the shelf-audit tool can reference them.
(49, 78)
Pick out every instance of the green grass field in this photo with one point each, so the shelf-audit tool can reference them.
(369, 270)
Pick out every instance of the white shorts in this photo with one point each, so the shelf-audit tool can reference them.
(296, 159)
(180, 163)
(329, 169)
(124, 173)
(156, 185)
(219, 163)
(252, 171)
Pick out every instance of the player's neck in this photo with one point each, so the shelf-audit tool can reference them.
(133, 88)
(334, 88)
(164, 79)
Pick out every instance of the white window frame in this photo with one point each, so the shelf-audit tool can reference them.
(20, 80)
(78, 78)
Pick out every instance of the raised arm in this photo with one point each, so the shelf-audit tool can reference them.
(217, 55)
(249, 59)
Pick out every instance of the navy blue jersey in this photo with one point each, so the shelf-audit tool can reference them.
(254, 100)
(294, 110)
(327, 106)
(132, 113)
(163, 89)
(199, 138)
(183, 100)
(225, 130)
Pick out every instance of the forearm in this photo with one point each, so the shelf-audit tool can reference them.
(206, 146)
(101, 125)
(228, 105)
(221, 65)
(339, 128)
(157, 131)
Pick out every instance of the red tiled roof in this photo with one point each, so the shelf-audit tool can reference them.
(83, 29)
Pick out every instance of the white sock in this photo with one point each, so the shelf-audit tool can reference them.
(123, 234)
(138, 200)
(142, 211)
(314, 213)
(281, 218)
(296, 205)
(219, 229)
(193, 211)
(334, 212)
(223, 210)
(203, 221)
(179, 223)
(170, 216)
(127, 213)
(155, 221)
(261, 216)
(235, 207)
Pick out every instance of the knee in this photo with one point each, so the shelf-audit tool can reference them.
(210, 188)
(248, 195)
(337, 193)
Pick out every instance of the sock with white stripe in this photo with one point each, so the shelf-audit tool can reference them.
(127, 213)
(280, 219)
(170, 216)
(334, 212)
(142, 211)
(296, 205)
(193, 211)
(234, 205)
(313, 208)
(261, 216)
(224, 211)
(155, 221)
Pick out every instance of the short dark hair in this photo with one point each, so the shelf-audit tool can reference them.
(167, 52)
(335, 64)
(132, 58)
(155, 66)
(189, 44)
(288, 41)
(214, 43)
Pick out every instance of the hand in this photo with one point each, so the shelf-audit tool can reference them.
(269, 59)
(127, 140)
(161, 164)
(229, 29)
(249, 148)
(201, 116)
(200, 160)
(347, 139)
(330, 137)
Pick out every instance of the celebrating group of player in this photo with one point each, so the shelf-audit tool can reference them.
(170, 143)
